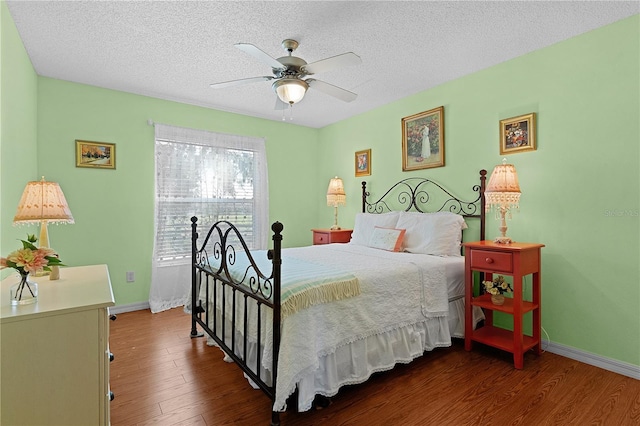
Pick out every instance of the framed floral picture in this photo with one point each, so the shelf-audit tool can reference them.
(518, 134)
(423, 140)
(96, 155)
(363, 163)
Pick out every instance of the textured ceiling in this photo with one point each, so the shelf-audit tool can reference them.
(174, 49)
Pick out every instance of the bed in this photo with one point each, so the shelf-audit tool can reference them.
(303, 322)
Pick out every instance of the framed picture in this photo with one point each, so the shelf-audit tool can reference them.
(97, 155)
(518, 134)
(423, 140)
(363, 163)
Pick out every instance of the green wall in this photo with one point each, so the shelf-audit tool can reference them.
(580, 188)
(18, 130)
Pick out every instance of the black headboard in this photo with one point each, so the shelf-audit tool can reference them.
(426, 196)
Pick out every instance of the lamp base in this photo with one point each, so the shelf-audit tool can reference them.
(335, 226)
(43, 242)
(503, 240)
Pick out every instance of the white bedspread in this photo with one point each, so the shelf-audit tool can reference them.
(398, 289)
(403, 306)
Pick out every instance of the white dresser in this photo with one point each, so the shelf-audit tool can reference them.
(54, 354)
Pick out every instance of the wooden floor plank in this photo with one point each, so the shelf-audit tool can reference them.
(160, 376)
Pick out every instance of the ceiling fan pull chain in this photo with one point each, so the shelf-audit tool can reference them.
(291, 112)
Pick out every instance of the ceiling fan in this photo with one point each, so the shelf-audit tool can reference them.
(290, 74)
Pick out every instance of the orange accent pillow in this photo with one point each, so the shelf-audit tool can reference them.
(389, 239)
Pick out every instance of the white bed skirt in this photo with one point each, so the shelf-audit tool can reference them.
(355, 362)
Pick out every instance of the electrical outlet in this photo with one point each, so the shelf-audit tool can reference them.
(131, 276)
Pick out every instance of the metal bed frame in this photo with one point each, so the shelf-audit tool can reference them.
(223, 242)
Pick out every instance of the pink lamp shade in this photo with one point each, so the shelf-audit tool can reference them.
(503, 188)
(335, 193)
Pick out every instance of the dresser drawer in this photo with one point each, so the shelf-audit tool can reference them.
(493, 260)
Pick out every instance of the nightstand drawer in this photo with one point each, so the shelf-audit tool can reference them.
(493, 260)
(321, 237)
(330, 236)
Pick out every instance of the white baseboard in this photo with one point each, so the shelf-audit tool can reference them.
(616, 366)
(119, 309)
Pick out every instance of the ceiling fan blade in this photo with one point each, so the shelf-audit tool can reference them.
(240, 82)
(260, 55)
(323, 65)
(330, 89)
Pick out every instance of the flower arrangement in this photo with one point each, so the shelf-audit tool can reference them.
(26, 260)
(497, 286)
(30, 258)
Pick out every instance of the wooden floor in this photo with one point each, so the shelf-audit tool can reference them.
(160, 376)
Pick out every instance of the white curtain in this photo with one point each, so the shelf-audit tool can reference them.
(212, 176)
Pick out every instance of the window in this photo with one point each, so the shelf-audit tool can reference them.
(209, 175)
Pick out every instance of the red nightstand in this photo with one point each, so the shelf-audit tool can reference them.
(328, 236)
(516, 260)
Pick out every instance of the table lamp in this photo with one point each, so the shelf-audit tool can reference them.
(503, 193)
(43, 202)
(336, 197)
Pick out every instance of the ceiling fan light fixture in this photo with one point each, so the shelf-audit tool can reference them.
(290, 90)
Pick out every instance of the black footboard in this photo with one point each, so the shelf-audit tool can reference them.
(235, 309)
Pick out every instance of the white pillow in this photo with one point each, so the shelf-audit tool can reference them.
(389, 239)
(439, 234)
(366, 222)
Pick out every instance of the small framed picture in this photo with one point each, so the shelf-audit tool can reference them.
(423, 140)
(363, 163)
(518, 134)
(97, 155)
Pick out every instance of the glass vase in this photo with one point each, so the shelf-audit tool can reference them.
(25, 291)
